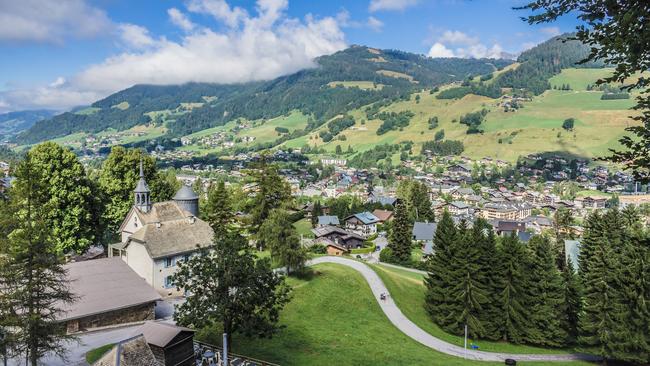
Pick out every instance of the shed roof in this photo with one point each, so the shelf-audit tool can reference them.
(104, 285)
(424, 230)
(160, 334)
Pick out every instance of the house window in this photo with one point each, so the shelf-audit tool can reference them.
(168, 282)
(186, 257)
(169, 262)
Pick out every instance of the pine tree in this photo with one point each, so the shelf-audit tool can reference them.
(399, 240)
(419, 198)
(468, 296)
(485, 242)
(572, 304)
(317, 210)
(218, 209)
(283, 241)
(440, 279)
(512, 289)
(33, 281)
(546, 296)
(562, 221)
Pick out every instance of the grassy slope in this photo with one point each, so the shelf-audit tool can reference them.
(95, 354)
(333, 319)
(408, 291)
(599, 123)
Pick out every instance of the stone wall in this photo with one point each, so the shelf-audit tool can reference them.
(138, 313)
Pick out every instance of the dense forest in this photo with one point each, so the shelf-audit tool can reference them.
(306, 90)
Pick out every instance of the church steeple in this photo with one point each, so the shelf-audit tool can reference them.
(142, 194)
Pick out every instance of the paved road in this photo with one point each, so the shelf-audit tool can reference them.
(409, 328)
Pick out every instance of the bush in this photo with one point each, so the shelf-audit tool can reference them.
(364, 250)
(386, 255)
(318, 249)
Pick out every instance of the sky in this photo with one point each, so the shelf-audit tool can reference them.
(59, 54)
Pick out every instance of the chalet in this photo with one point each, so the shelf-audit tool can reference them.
(364, 223)
(335, 249)
(460, 169)
(383, 215)
(328, 220)
(108, 293)
(335, 235)
(506, 228)
(424, 231)
(462, 193)
(506, 211)
(457, 208)
(591, 202)
(383, 200)
(156, 236)
(633, 200)
(538, 223)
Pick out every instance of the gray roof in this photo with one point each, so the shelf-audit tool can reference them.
(104, 285)
(129, 352)
(328, 220)
(142, 186)
(169, 230)
(424, 230)
(326, 230)
(185, 193)
(160, 334)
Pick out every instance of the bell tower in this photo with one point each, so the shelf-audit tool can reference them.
(142, 194)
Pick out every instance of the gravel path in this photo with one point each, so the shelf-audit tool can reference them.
(409, 328)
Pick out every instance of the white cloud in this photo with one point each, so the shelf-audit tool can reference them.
(50, 20)
(135, 36)
(262, 46)
(440, 50)
(377, 5)
(466, 46)
(220, 10)
(375, 24)
(181, 20)
(551, 31)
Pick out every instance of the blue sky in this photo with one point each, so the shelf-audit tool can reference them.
(59, 54)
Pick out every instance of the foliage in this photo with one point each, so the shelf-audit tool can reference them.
(74, 205)
(483, 89)
(393, 121)
(226, 285)
(433, 122)
(218, 210)
(415, 196)
(439, 136)
(473, 120)
(282, 239)
(118, 178)
(568, 124)
(615, 37)
(443, 148)
(32, 277)
(399, 240)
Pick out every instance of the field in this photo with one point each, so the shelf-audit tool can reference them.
(408, 291)
(534, 128)
(333, 319)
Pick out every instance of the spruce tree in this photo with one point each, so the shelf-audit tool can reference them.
(420, 203)
(468, 295)
(546, 296)
(483, 239)
(317, 210)
(218, 209)
(399, 241)
(33, 281)
(439, 280)
(512, 290)
(572, 304)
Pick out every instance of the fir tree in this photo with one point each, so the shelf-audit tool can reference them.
(512, 293)
(546, 296)
(399, 240)
(468, 295)
(218, 209)
(420, 203)
(439, 280)
(562, 221)
(484, 241)
(33, 282)
(572, 303)
(317, 210)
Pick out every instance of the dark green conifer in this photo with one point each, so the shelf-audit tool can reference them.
(512, 294)
(399, 240)
(439, 280)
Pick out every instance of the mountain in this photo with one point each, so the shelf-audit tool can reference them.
(14, 122)
(192, 107)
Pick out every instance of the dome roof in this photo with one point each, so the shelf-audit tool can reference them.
(185, 194)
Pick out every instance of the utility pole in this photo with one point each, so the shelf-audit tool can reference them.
(465, 338)
(225, 349)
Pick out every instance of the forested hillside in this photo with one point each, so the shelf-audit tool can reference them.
(193, 107)
(14, 122)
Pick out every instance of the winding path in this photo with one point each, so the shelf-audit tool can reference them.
(409, 328)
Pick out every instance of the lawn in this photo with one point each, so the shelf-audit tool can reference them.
(303, 227)
(95, 354)
(333, 319)
(408, 291)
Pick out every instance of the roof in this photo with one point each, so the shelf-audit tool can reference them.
(130, 352)
(185, 193)
(504, 225)
(524, 236)
(384, 200)
(458, 204)
(142, 186)
(161, 334)
(173, 237)
(424, 230)
(104, 285)
(328, 220)
(383, 215)
(327, 230)
(365, 217)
